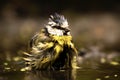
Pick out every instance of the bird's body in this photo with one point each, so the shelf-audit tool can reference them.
(52, 48)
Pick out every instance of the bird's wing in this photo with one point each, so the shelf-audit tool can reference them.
(41, 50)
(40, 37)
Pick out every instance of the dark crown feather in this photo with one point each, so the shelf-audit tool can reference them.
(59, 19)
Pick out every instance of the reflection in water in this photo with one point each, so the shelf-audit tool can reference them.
(51, 75)
(102, 72)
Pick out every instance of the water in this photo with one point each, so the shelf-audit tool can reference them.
(100, 72)
(92, 67)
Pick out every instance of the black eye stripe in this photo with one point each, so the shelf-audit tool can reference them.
(58, 27)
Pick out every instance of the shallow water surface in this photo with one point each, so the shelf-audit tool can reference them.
(101, 72)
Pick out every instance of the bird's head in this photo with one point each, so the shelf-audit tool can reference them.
(58, 22)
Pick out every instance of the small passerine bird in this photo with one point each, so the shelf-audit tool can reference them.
(52, 48)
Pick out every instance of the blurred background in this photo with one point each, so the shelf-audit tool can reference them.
(94, 23)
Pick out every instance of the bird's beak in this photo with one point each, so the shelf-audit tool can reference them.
(67, 29)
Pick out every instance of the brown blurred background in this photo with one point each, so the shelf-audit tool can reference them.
(92, 22)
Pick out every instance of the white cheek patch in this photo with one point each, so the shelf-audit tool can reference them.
(52, 23)
(54, 31)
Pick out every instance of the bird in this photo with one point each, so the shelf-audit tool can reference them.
(52, 48)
